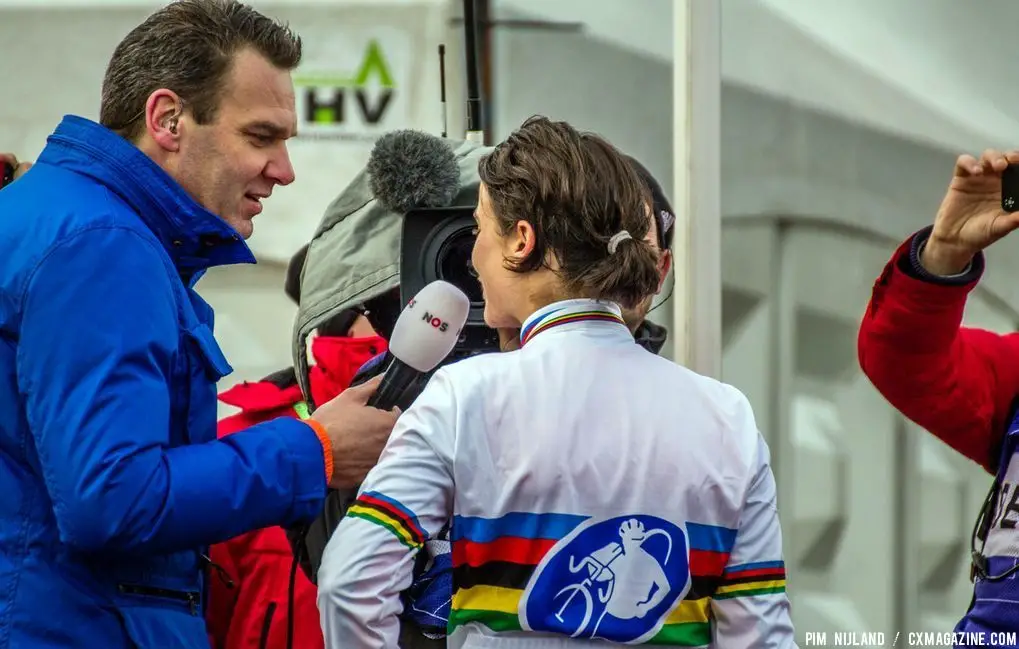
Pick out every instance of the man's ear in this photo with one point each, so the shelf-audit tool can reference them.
(163, 112)
(664, 266)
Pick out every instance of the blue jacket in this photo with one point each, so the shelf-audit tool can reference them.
(112, 482)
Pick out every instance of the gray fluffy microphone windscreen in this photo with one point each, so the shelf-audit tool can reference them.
(409, 169)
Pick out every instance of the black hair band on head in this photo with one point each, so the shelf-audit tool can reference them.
(666, 219)
(665, 216)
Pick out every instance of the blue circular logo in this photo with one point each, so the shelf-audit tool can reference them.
(614, 579)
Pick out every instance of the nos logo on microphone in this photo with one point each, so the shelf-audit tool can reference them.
(430, 318)
(435, 321)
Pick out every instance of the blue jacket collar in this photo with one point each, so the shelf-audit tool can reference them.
(194, 237)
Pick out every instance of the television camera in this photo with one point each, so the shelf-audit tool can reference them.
(405, 221)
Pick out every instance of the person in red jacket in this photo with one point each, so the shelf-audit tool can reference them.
(959, 383)
(250, 597)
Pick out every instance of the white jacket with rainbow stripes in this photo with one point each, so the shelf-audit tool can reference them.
(598, 492)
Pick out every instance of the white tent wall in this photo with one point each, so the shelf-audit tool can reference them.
(892, 65)
(60, 53)
(826, 166)
(622, 61)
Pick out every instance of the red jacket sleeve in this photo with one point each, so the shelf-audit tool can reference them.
(238, 421)
(957, 382)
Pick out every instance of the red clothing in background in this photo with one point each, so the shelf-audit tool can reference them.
(252, 614)
(956, 382)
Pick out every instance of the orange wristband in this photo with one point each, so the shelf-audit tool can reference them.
(327, 445)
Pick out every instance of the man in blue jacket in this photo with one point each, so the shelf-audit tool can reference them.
(113, 481)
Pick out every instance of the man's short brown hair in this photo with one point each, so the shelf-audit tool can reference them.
(577, 191)
(188, 47)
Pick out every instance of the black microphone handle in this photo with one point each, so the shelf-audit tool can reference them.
(396, 379)
(411, 392)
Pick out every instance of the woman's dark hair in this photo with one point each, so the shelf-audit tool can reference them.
(577, 191)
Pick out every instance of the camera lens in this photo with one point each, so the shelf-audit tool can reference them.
(453, 263)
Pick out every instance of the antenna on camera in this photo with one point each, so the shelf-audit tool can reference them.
(475, 127)
(442, 86)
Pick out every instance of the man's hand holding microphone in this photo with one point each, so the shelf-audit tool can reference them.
(971, 216)
(359, 421)
(358, 432)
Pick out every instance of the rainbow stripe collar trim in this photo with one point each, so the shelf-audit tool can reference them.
(588, 311)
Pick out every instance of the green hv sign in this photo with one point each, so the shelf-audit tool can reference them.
(331, 100)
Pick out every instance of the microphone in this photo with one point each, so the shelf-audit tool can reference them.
(424, 335)
(410, 169)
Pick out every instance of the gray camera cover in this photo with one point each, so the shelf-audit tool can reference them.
(355, 252)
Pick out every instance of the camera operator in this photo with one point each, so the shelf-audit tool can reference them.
(959, 383)
(115, 484)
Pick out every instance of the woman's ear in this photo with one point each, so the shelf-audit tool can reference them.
(522, 241)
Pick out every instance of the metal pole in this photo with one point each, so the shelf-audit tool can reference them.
(697, 300)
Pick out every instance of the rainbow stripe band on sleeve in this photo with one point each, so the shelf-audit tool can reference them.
(376, 508)
(750, 579)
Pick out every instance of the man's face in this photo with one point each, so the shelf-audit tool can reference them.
(233, 163)
(361, 328)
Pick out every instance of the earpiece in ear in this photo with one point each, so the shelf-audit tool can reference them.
(171, 122)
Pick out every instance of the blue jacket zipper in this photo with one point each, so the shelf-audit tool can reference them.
(190, 598)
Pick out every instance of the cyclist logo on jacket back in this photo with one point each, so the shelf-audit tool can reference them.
(615, 579)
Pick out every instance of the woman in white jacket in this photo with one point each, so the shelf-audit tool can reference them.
(597, 492)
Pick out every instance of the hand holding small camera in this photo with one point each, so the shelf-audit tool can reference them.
(979, 208)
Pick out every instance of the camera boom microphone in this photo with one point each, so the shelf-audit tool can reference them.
(425, 334)
(410, 169)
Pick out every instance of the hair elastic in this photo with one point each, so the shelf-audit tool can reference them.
(616, 239)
